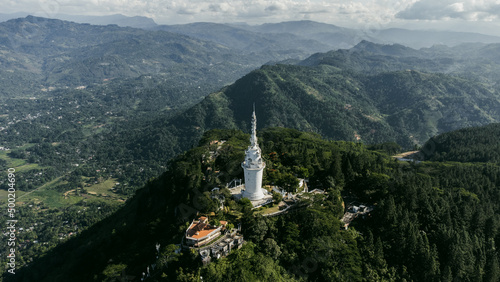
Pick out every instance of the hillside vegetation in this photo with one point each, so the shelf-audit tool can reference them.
(60, 54)
(406, 107)
(474, 144)
(442, 217)
(475, 61)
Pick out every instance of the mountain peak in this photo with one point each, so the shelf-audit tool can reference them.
(117, 19)
(385, 49)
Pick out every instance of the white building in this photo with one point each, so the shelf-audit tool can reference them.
(253, 165)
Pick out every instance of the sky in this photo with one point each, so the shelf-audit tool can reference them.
(467, 15)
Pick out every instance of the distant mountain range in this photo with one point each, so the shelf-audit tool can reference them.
(39, 53)
(475, 61)
(371, 93)
(117, 19)
(308, 35)
(250, 40)
(320, 34)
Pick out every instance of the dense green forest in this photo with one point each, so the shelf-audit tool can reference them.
(406, 107)
(474, 144)
(432, 221)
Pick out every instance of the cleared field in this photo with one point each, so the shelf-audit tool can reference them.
(3, 196)
(103, 188)
(18, 164)
(11, 162)
(26, 167)
(51, 198)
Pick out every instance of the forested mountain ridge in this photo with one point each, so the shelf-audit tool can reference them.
(443, 220)
(341, 101)
(473, 144)
(247, 41)
(57, 54)
(321, 34)
(118, 19)
(474, 61)
(407, 107)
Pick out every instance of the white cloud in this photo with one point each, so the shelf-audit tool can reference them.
(171, 11)
(470, 10)
(365, 14)
(457, 7)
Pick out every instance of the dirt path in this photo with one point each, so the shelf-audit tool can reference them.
(66, 193)
(405, 154)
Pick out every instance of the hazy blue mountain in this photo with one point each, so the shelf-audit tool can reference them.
(275, 45)
(40, 53)
(427, 38)
(303, 35)
(475, 61)
(336, 37)
(117, 19)
(345, 38)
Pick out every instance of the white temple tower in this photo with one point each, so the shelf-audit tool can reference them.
(253, 166)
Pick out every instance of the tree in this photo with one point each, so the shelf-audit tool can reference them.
(492, 267)
(336, 170)
(205, 203)
(245, 205)
(113, 271)
(271, 248)
(277, 197)
(257, 229)
(288, 182)
(214, 222)
(169, 254)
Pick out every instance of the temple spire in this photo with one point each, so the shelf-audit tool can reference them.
(253, 138)
(253, 166)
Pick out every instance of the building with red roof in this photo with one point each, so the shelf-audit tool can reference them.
(200, 232)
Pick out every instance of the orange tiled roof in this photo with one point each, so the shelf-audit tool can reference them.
(200, 234)
(200, 229)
